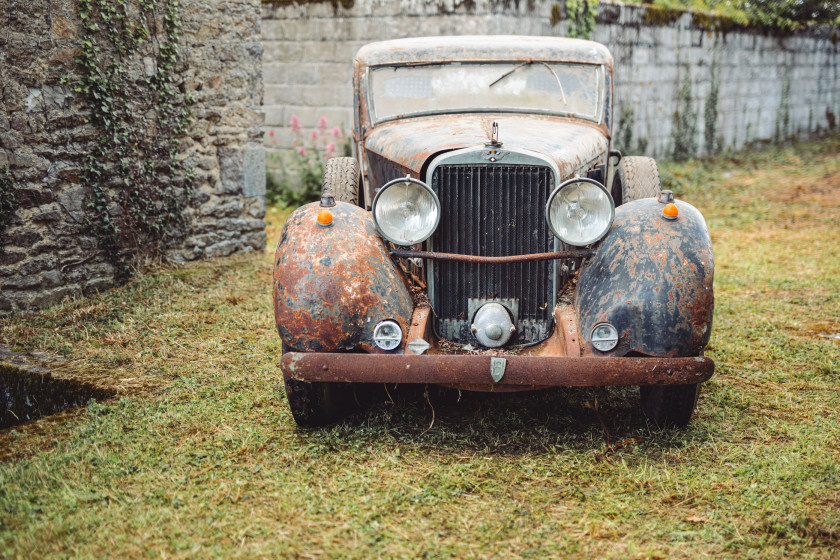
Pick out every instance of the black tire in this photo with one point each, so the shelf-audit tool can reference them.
(312, 404)
(341, 178)
(669, 406)
(636, 178)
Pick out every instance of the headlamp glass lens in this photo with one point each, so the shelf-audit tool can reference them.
(406, 212)
(387, 335)
(580, 212)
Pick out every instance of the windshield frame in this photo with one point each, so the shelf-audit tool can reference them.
(371, 108)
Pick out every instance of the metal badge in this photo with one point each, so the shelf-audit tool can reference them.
(497, 368)
(494, 155)
(418, 346)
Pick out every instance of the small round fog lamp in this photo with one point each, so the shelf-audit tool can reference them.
(387, 335)
(604, 337)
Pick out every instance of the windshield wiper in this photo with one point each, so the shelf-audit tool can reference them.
(528, 63)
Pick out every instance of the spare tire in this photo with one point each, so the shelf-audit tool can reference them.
(636, 177)
(341, 178)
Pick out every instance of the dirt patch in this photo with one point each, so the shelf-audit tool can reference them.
(824, 191)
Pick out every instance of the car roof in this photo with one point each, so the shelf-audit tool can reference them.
(467, 48)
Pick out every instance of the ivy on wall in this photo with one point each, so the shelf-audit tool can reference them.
(581, 15)
(685, 121)
(138, 187)
(710, 113)
(775, 16)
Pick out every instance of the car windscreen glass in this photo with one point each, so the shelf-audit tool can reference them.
(529, 87)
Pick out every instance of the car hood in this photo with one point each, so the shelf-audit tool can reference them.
(410, 142)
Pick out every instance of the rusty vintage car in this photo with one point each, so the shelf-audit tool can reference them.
(487, 238)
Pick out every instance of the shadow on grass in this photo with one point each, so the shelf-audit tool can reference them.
(535, 422)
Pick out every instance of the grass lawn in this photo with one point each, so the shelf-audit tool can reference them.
(200, 457)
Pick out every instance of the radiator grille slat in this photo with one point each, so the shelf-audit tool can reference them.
(493, 210)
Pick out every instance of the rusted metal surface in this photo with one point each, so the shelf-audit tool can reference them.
(572, 144)
(653, 280)
(381, 170)
(420, 326)
(420, 50)
(477, 259)
(520, 371)
(333, 285)
(564, 341)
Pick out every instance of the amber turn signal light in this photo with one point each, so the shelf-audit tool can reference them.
(670, 212)
(325, 218)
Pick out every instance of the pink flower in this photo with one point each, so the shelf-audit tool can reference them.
(302, 151)
(309, 162)
(294, 123)
(336, 132)
(330, 148)
(322, 124)
(313, 135)
(271, 133)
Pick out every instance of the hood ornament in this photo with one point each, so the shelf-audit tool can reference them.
(494, 135)
(494, 154)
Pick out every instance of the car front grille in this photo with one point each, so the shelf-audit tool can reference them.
(493, 210)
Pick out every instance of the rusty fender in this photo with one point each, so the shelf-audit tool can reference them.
(651, 278)
(520, 371)
(333, 285)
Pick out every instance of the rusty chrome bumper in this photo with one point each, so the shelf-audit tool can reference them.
(520, 372)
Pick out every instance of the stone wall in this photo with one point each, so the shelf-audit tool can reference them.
(47, 250)
(679, 86)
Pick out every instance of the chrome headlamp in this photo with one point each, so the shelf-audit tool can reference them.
(580, 211)
(406, 211)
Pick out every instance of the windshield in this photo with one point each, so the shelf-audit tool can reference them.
(524, 87)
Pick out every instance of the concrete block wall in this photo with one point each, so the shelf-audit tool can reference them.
(46, 252)
(762, 81)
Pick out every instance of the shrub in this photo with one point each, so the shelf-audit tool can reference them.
(299, 178)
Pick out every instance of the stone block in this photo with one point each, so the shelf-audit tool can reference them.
(9, 258)
(18, 282)
(279, 95)
(257, 208)
(230, 167)
(286, 51)
(35, 265)
(253, 172)
(11, 139)
(221, 249)
(54, 296)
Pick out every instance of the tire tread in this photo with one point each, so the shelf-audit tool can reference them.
(341, 178)
(636, 177)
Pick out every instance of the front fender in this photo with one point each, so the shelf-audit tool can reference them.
(652, 279)
(333, 285)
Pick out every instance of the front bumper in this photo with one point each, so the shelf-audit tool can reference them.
(470, 371)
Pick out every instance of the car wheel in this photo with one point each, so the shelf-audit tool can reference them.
(669, 406)
(341, 178)
(312, 403)
(636, 178)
